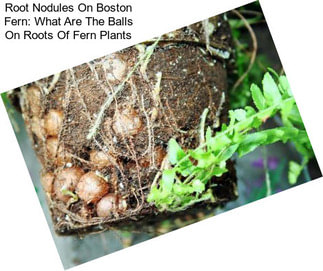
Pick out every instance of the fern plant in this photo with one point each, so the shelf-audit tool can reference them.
(186, 180)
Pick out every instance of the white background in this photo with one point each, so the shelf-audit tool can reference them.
(282, 232)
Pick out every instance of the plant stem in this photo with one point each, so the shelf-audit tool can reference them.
(267, 177)
(202, 125)
(305, 170)
(306, 174)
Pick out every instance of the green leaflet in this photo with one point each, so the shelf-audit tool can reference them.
(219, 143)
(198, 186)
(67, 192)
(295, 170)
(227, 154)
(266, 137)
(205, 159)
(175, 152)
(284, 85)
(188, 180)
(250, 142)
(257, 97)
(167, 179)
(239, 114)
(271, 91)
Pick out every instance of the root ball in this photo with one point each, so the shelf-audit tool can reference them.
(89, 116)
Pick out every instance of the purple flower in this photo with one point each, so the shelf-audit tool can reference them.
(259, 182)
(272, 163)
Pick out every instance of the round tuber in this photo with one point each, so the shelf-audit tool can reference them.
(116, 69)
(67, 180)
(34, 99)
(159, 155)
(91, 188)
(55, 152)
(109, 205)
(51, 147)
(47, 180)
(53, 122)
(100, 159)
(127, 122)
(37, 127)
